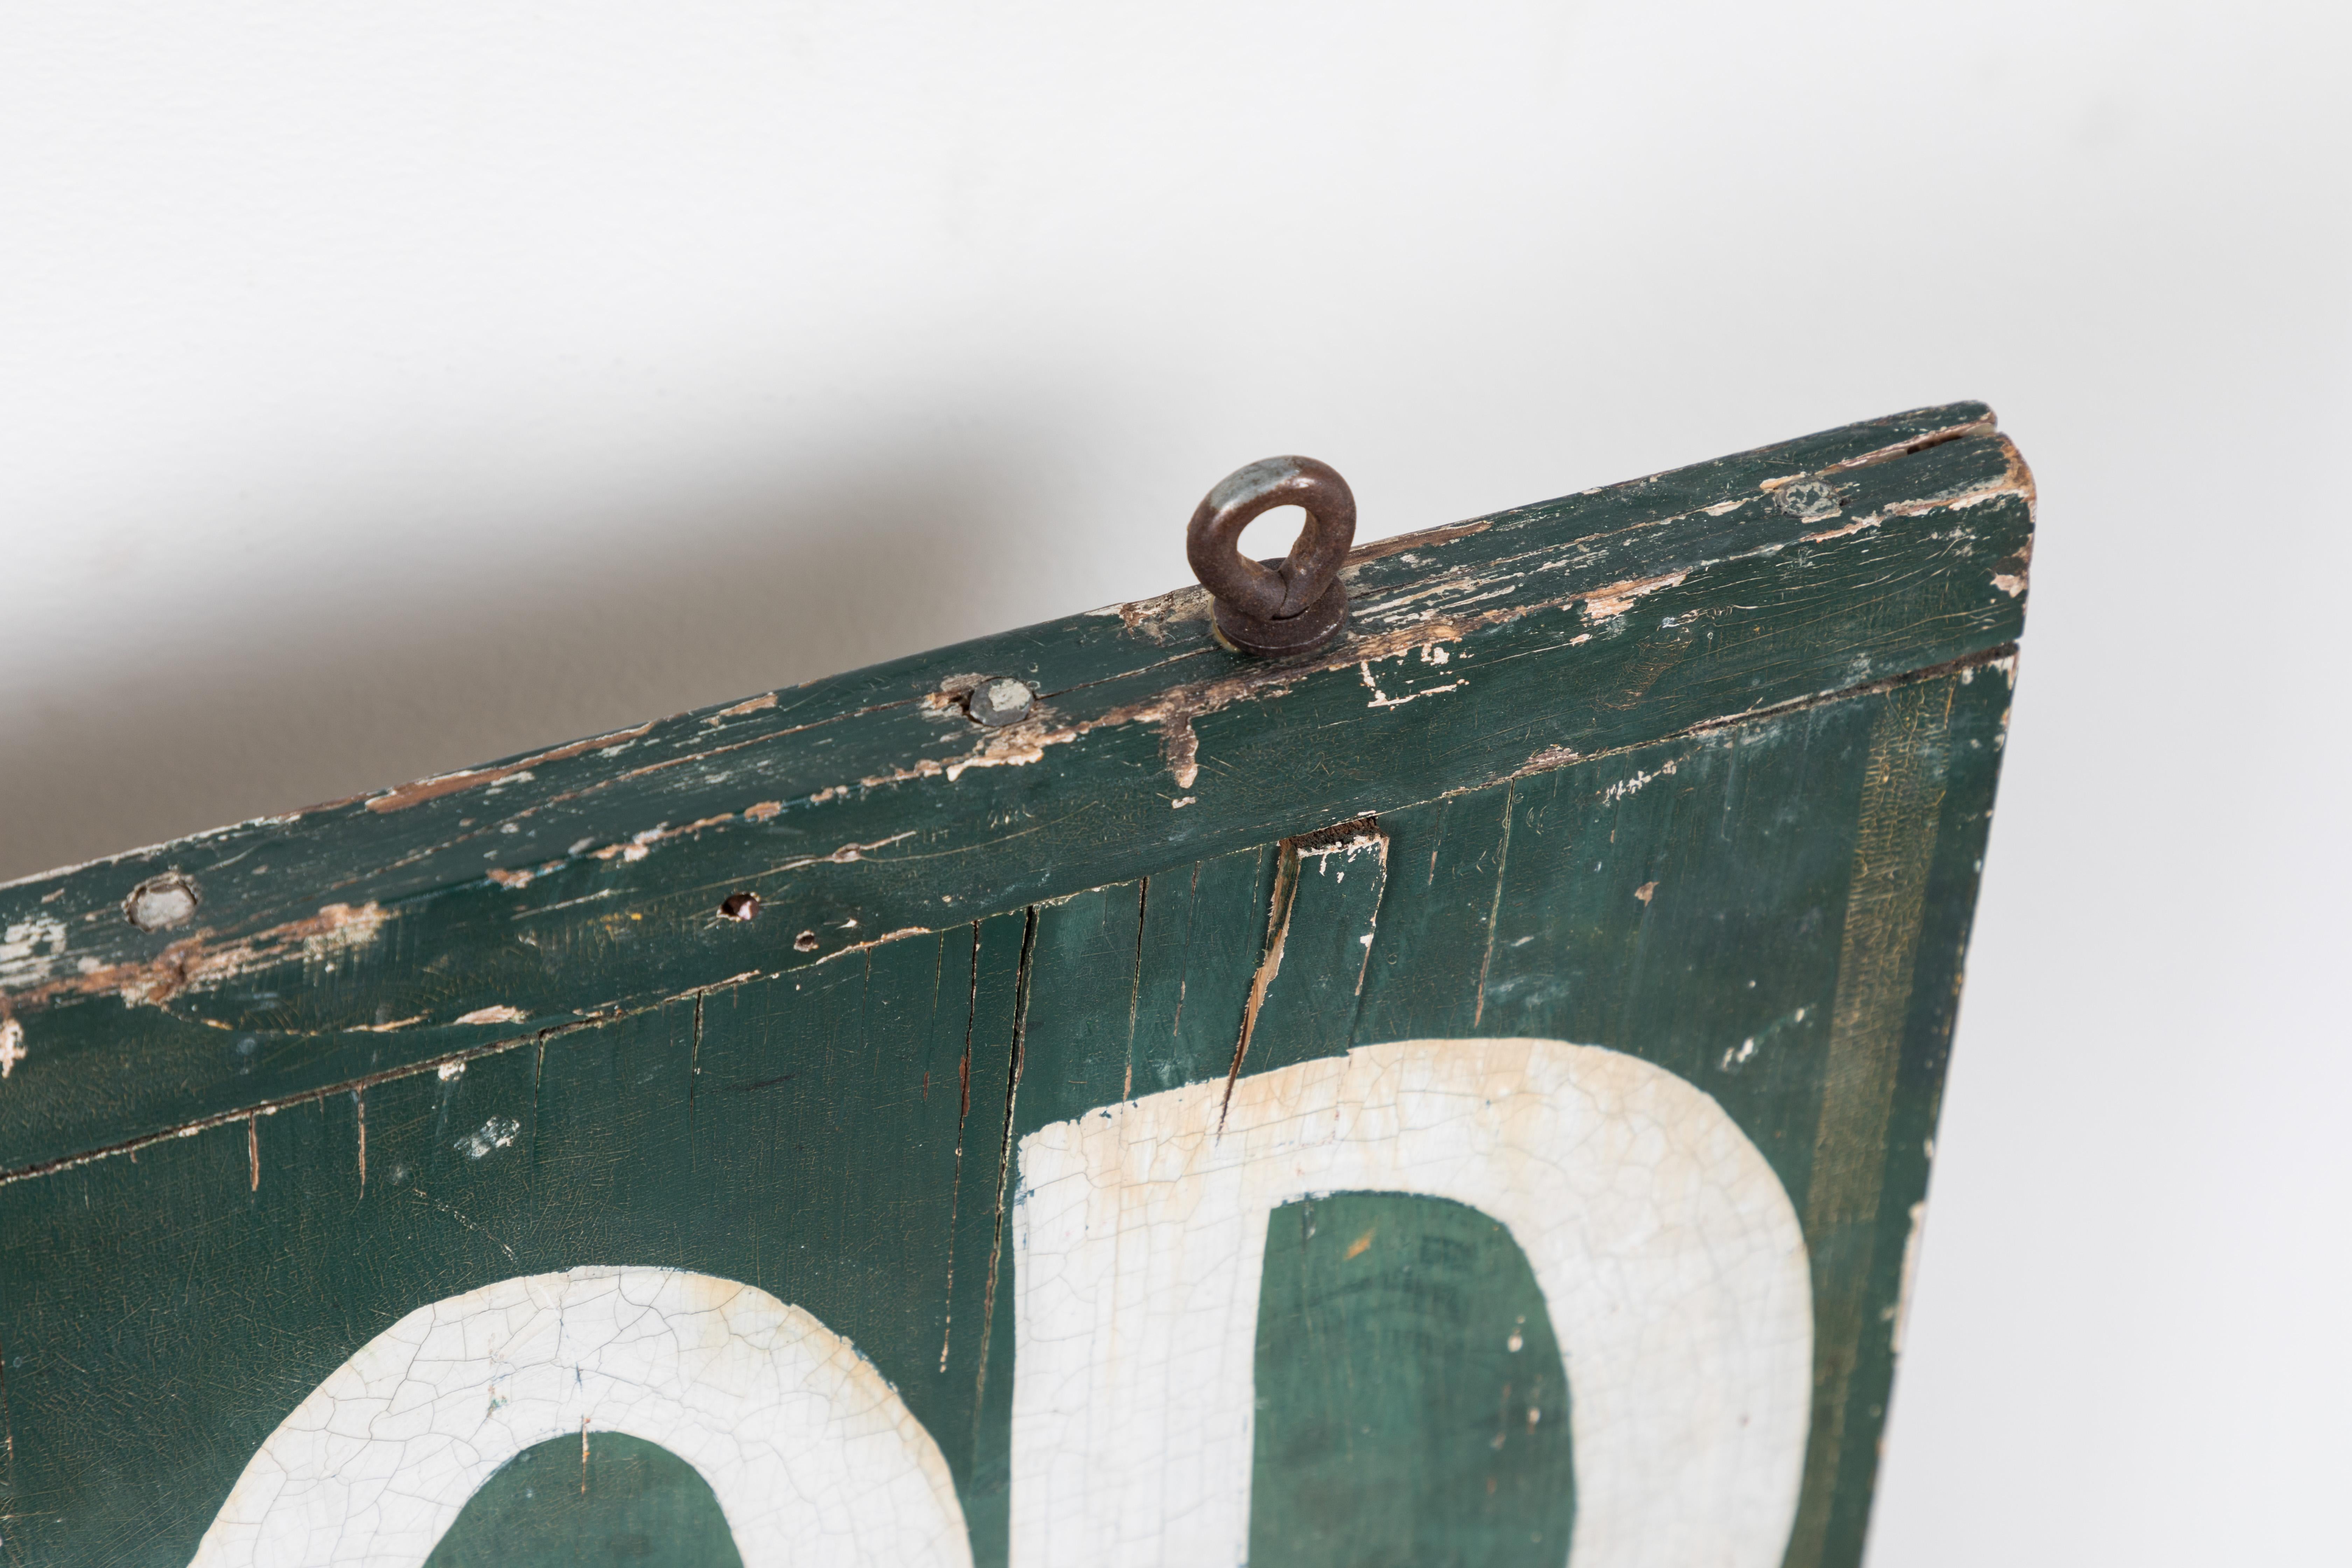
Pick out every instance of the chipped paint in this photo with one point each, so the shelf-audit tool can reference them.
(1430, 617)
(197, 964)
(2011, 584)
(1608, 603)
(1382, 699)
(1902, 1314)
(499, 1132)
(29, 951)
(2016, 480)
(1161, 614)
(500, 1014)
(1012, 745)
(1635, 781)
(846, 855)
(1180, 706)
(434, 788)
(339, 931)
(1330, 851)
(1416, 619)
(872, 942)
(638, 846)
(1856, 526)
(12, 1046)
(1181, 749)
(750, 705)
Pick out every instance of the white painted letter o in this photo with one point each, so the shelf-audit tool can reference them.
(811, 1455)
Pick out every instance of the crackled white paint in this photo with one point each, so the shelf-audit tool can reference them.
(1668, 1253)
(812, 1457)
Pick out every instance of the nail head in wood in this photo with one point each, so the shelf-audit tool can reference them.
(1001, 701)
(161, 903)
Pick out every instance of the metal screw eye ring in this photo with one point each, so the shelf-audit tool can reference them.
(1297, 604)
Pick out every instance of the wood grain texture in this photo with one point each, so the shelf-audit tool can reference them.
(1698, 770)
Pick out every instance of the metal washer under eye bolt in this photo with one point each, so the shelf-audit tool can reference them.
(1001, 701)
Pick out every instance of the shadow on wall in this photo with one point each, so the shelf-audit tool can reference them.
(733, 588)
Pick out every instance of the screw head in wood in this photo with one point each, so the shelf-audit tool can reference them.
(1000, 701)
(1809, 501)
(161, 903)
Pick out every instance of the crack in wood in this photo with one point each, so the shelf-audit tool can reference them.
(1004, 1161)
(1338, 838)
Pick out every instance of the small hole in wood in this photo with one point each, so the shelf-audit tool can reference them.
(740, 906)
(805, 942)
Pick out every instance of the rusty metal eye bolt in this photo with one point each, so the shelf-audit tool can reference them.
(1291, 606)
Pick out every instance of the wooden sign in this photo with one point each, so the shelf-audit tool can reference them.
(1464, 1095)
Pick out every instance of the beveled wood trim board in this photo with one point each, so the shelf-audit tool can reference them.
(581, 882)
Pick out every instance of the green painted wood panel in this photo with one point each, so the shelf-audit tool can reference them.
(1696, 771)
(610, 1500)
(1413, 1406)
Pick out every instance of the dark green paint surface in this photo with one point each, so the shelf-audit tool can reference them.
(1412, 1405)
(615, 1502)
(1702, 777)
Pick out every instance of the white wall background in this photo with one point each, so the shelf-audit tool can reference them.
(387, 388)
